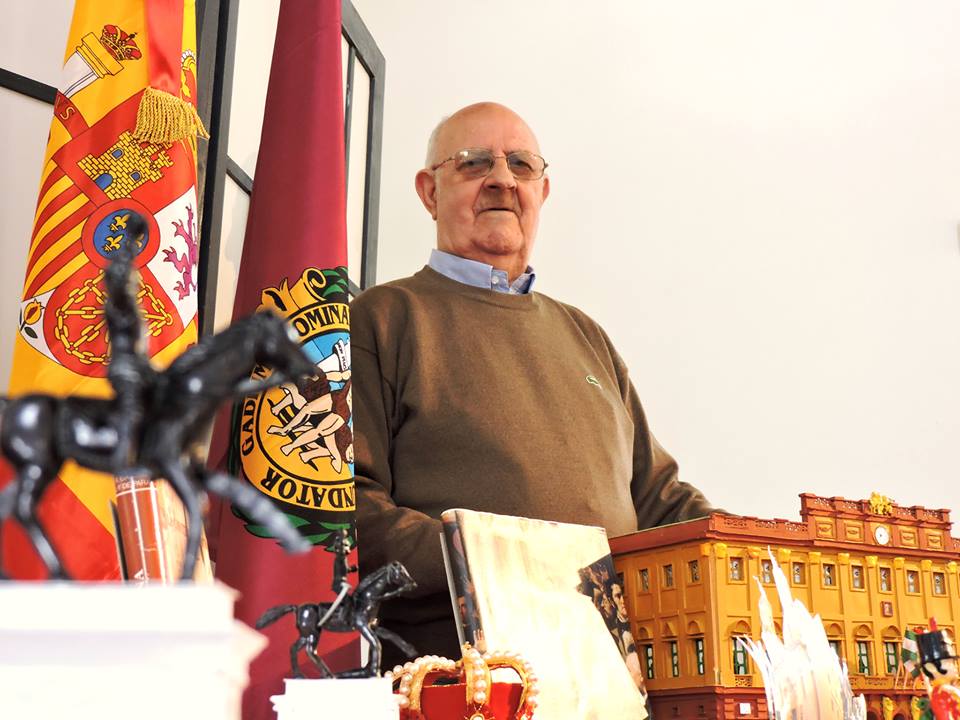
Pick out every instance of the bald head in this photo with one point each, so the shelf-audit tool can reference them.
(466, 114)
(490, 218)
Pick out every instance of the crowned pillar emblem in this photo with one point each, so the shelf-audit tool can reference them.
(96, 57)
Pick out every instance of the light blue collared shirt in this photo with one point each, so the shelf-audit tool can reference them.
(481, 275)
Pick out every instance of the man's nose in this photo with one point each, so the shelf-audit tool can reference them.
(500, 175)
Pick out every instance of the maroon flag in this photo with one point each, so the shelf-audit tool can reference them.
(295, 444)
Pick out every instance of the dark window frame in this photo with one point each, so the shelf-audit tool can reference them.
(857, 579)
(736, 569)
(829, 575)
(668, 579)
(698, 655)
(649, 663)
(741, 664)
(863, 656)
(766, 572)
(885, 571)
(891, 653)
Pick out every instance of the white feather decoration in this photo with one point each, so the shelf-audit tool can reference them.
(802, 676)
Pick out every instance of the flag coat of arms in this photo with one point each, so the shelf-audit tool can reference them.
(294, 443)
(122, 145)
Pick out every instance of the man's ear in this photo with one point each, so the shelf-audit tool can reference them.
(426, 183)
(546, 188)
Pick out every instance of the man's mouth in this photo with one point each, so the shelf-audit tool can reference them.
(498, 209)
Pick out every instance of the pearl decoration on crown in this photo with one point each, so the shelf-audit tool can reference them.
(473, 670)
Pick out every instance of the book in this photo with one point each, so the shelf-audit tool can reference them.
(151, 532)
(545, 590)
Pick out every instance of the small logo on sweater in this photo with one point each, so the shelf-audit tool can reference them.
(593, 380)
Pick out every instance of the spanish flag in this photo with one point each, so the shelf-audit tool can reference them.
(122, 145)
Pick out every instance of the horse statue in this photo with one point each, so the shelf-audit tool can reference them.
(349, 612)
(155, 421)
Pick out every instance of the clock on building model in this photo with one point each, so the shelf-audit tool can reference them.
(881, 533)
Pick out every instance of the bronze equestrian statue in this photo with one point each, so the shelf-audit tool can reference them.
(349, 612)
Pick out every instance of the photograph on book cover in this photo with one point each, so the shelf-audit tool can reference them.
(517, 585)
(600, 582)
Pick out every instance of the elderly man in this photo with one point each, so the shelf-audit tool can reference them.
(472, 391)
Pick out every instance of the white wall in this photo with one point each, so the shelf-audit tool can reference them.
(759, 200)
(256, 31)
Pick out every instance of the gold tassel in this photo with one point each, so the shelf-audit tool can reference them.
(165, 118)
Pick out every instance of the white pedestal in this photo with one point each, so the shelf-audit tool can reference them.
(111, 650)
(364, 698)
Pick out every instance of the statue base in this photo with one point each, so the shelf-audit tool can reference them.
(367, 698)
(118, 650)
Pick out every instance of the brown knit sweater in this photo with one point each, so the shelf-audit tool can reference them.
(511, 404)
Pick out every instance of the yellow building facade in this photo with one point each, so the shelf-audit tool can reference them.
(870, 569)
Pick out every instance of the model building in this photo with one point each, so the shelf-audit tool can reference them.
(870, 568)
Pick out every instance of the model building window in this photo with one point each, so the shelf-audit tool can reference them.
(913, 581)
(890, 652)
(856, 576)
(885, 584)
(736, 568)
(739, 659)
(645, 580)
(694, 566)
(648, 658)
(674, 659)
(799, 574)
(829, 575)
(698, 654)
(766, 571)
(863, 657)
(668, 575)
(835, 644)
(939, 584)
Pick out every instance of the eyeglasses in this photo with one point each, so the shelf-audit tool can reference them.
(478, 162)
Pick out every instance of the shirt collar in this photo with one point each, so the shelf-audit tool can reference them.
(481, 275)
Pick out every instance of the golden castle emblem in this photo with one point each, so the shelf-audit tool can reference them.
(125, 166)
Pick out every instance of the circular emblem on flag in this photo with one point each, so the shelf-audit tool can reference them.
(296, 441)
(112, 224)
(74, 326)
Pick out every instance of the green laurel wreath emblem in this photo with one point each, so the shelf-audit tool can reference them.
(317, 532)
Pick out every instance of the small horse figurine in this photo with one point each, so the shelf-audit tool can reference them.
(153, 423)
(349, 612)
